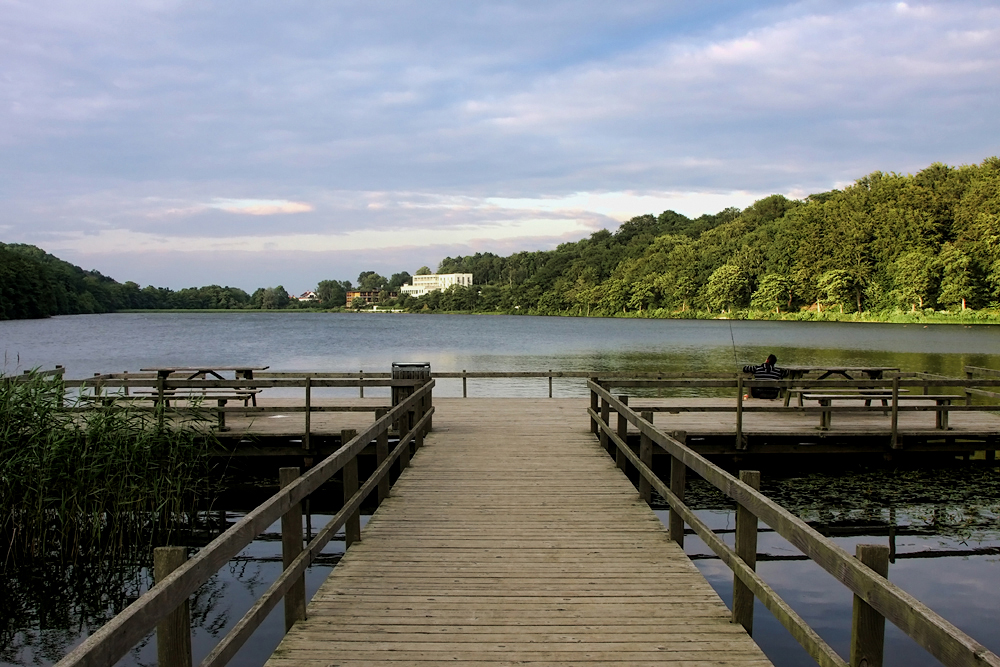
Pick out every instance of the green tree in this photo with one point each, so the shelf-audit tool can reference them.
(727, 287)
(332, 293)
(836, 288)
(773, 292)
(684, 289)
(273, 298)
(958, 281)
(370, 281)
(399, 279)
(916, 273)
(425, 271)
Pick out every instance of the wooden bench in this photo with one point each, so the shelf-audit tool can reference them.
(221, 395)
(826, 400)
(885, 395)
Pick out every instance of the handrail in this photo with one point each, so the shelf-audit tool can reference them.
(237, 636)
(35, 373)
(113, 640)
(818, 649)
(983, 371)
(931, 631)
(243, 384)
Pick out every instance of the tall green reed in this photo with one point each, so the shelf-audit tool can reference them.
(103, 478)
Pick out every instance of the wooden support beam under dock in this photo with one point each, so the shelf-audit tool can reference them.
(514, 539)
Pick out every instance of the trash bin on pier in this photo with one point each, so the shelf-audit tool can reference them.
(410, 370)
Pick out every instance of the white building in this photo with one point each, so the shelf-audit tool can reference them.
(436, 281)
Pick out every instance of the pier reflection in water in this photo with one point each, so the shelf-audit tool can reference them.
(48, 605)
(942, 526)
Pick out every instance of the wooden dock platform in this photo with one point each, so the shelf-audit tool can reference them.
(513, 539)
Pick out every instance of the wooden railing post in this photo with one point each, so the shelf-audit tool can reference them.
(593, 406)
(173, 633)
(678, 479)
(306, 437)
(894, 441)
(465, 386)
(405, 424)
(428, 403)
(550, 383)
(746, 549)
(352, 528)
(417, 415)
(620, 459)
(646, 456)
(381, 454)
(291, 547)
(606, 421)
(161, 384)
(739, 413)
(867, 625)
(361, 383)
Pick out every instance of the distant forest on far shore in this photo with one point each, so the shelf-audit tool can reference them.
(888, 244)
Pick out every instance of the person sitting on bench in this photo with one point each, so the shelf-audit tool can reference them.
(766, 371)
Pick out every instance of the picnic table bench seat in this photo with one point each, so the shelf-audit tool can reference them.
(197, 395)
(827, 398)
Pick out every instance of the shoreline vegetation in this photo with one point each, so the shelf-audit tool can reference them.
(81, 477)
(969, 316)
(888, 248)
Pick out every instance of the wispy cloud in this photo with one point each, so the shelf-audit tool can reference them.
(261, 206)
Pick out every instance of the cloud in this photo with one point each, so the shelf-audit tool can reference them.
(261, 206)
(464, 123)
(500, 231)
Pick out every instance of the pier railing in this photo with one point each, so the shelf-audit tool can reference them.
(876, 598)
(466, 375)
(900, 393)
(163, 606)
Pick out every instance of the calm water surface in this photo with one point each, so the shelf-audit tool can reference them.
(88, 344)
(947, 536)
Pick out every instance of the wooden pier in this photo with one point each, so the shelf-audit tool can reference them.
(514, 539)
(511, 535)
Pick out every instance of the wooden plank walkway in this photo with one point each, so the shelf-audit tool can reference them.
(513, 539)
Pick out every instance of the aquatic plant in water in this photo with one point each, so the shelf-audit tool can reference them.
(73, 480)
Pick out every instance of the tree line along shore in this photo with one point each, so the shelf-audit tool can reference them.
(889, 247)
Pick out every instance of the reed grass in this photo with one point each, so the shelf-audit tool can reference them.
(102, 478)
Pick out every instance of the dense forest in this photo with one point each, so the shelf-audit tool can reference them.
(888, 243)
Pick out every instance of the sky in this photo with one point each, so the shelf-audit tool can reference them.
(181, 143)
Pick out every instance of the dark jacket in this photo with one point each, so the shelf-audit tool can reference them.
(765, 371)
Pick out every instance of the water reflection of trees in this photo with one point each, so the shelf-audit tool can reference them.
(48, 603)
(960, 503)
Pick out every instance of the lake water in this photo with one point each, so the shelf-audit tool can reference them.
(88, 344)
(947, 533)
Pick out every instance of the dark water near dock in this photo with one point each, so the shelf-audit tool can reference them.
(946, 527)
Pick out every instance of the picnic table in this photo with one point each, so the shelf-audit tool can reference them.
(799, 372)
(870, 372)
(240, 373)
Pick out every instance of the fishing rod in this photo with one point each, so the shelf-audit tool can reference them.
(733, 338)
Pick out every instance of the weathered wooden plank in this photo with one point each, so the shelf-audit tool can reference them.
(488, 551)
